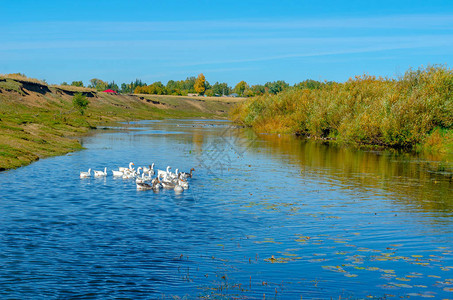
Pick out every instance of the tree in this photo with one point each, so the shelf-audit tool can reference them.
(276, 87)
(200, 84)
(77, 83)
(64, 83)
(221, 89)
(258, 89)
(241, 87)
(98, 84)
(80, 102)
(113, 86)
(309, 84)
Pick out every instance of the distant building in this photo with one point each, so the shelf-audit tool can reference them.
(110, 91)
(233, 95)
(192, 94)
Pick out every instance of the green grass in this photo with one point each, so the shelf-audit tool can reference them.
(413, 112)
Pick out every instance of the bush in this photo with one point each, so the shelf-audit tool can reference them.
(80, 102)
(367, 110)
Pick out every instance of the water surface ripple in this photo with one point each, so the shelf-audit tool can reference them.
(265, 216)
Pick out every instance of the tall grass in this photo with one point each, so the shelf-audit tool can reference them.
(416, 109)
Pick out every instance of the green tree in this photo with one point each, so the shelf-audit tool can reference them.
(258, 89)
(200, 84)
(113, 86)
(80, 102)
(64, 83)
(209, 93)
(241, 87)
(77, 83)
(309, 84)
(276, 87)
(221, 89)
(98, 84)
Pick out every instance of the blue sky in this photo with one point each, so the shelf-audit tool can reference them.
(227, 41)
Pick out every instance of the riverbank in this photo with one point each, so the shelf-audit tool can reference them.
(38, 120)
(414, 112)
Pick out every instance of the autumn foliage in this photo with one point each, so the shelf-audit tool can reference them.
(416, 109)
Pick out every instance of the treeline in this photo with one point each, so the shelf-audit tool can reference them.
(199, 85)
(415, 110)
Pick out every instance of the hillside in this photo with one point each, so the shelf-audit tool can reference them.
(38, 120)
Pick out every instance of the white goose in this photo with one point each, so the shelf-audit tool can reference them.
(129, 174)
(183, 183)
(161, 173)
(122, 169)
(149, 170)
(117, 173)
(100, 173)
(85, 174)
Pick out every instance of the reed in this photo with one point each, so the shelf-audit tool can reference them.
(414, 111)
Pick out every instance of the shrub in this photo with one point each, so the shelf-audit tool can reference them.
(80, 102)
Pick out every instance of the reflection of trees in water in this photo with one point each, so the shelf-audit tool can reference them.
(407, 177)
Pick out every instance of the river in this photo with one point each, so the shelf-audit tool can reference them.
(265, 217)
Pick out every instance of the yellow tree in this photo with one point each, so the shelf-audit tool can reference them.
(200, 84)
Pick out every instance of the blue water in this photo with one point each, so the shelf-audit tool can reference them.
(264, 217)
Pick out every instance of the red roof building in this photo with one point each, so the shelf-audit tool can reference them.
(110, 91)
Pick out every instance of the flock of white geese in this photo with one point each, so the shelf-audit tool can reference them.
(144, 180)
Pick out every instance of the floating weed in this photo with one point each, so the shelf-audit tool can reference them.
(318, 259)
(434, 276)
(417, 256)
(350, 275)
(372, 269)
(338, 269)
(281, 260)
(402, 279)
(402, 285)
(288, 254)
(421, 286)
(267, 240)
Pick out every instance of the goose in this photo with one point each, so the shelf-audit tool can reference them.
(166, 182)
(85, 174)
(122, 169)
(117, 173)
(155, 185)
(173, 176)
(100, 173)
(143, 178)
(161, 173)
(178, 188)
(149, 170)
(183, 183)
(185, 175)
(143, 186)
(129, 174)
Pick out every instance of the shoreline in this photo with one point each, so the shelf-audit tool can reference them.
(39, 121)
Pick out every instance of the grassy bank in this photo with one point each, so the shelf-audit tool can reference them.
(412, 112)
(38, 120)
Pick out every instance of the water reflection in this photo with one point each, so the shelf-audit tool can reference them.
(407, 179)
